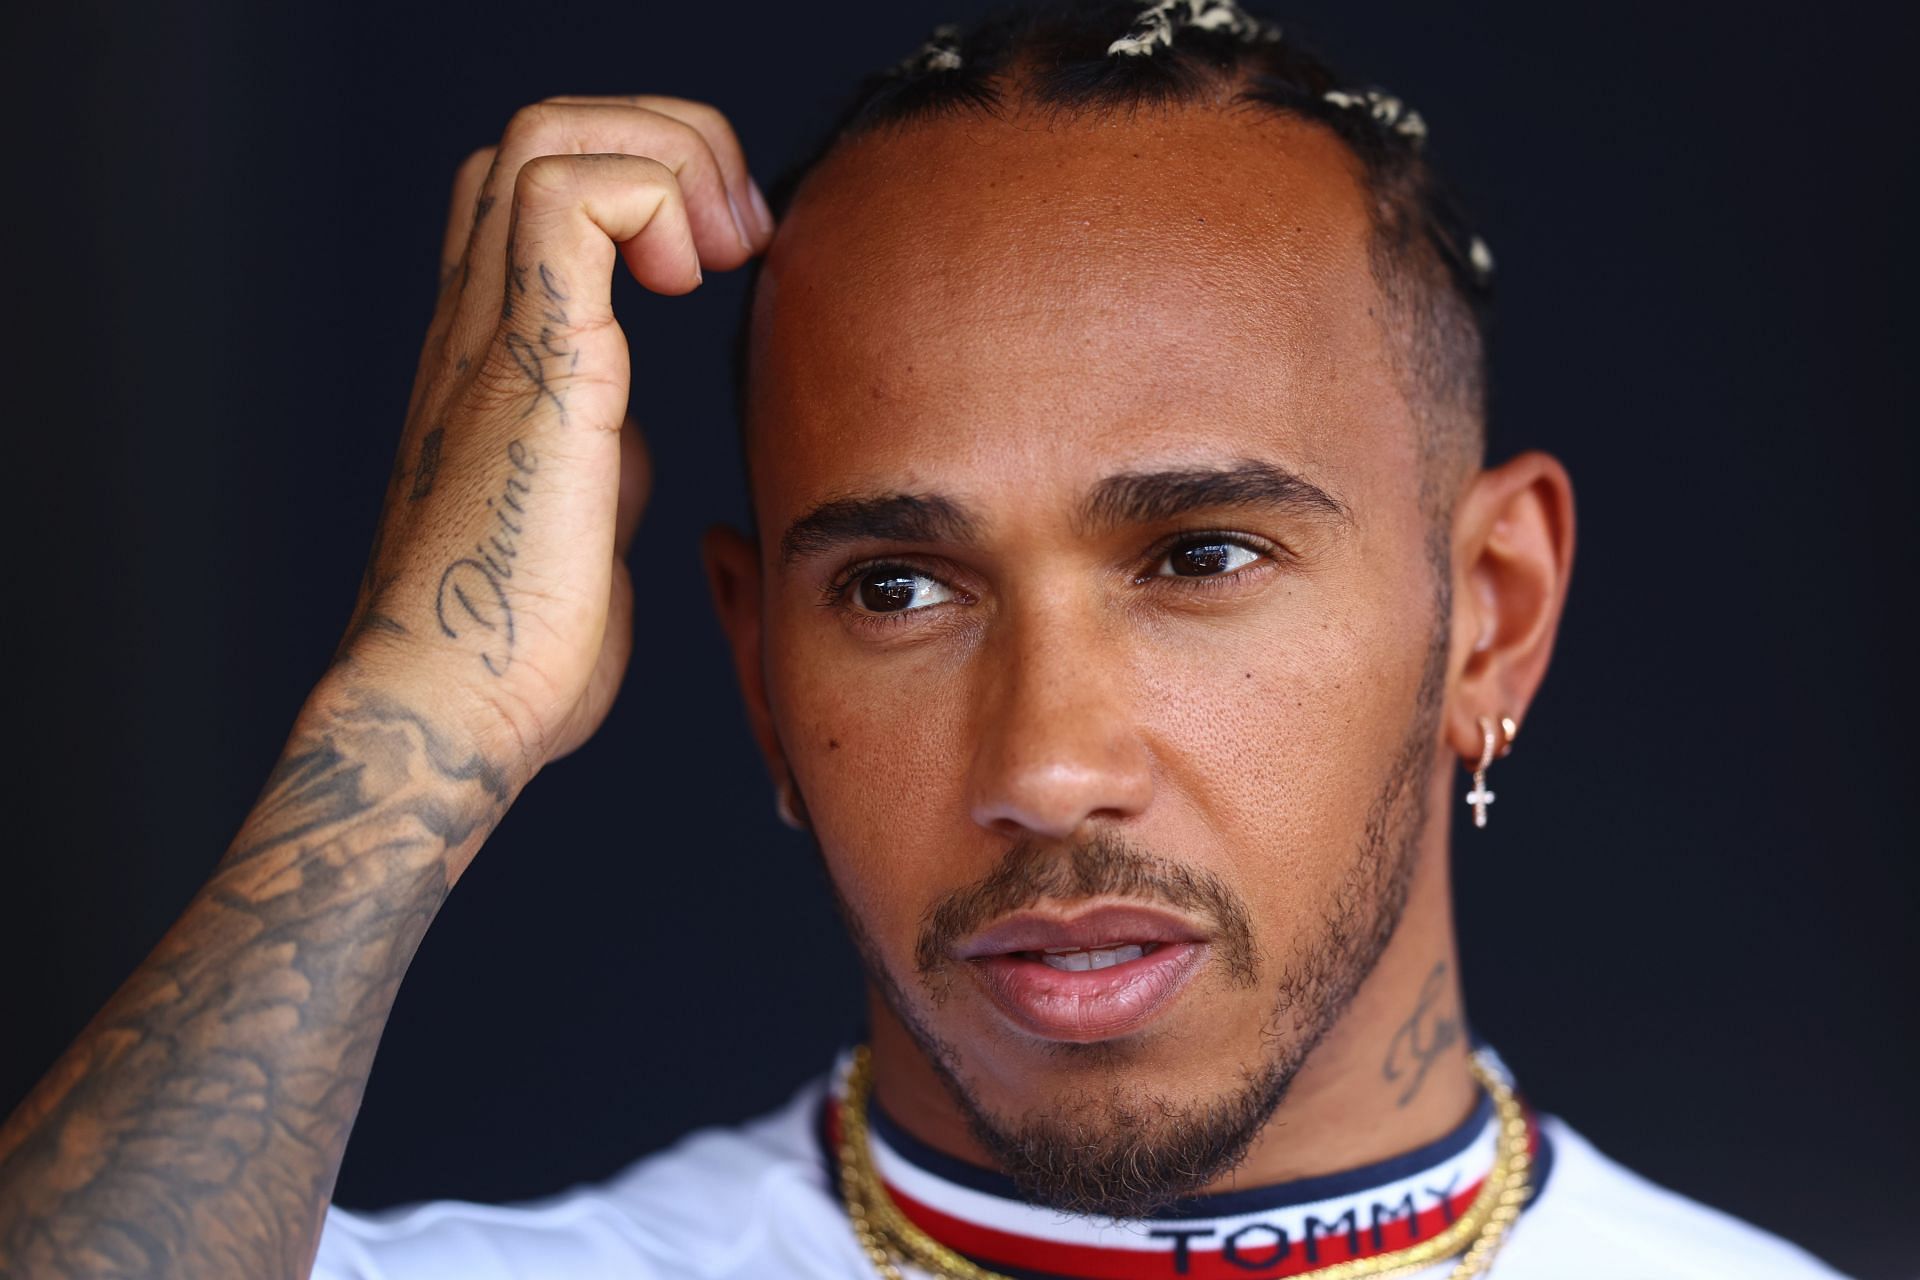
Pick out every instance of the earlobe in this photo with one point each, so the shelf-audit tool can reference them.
(732, 562)
(1513, 539)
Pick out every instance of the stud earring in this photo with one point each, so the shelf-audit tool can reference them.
(784, 806)
(1493, 745)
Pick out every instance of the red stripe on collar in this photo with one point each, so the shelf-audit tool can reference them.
(1288, 1240)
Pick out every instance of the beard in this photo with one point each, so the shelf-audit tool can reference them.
(1119, 1154)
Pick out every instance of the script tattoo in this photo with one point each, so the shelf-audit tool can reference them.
(473, 597)
(547, 352)
(1422, 1038)
(196, 1126)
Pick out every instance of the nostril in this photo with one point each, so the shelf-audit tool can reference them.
(1046, 766)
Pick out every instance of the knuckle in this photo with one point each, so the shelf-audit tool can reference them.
(717, 126)
(530, 122)
(544, 178)
(655, 170)
(477, 163)
(691, 140)
(471, 174)
(687, 108)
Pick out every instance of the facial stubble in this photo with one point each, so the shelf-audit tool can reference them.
(1124, 1156)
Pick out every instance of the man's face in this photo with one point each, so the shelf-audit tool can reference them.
(1096, 576)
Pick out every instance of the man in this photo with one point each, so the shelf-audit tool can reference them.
(1126, 578)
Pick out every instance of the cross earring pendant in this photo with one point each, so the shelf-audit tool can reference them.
(1479, 797)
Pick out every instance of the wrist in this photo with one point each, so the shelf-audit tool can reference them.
(469, 729)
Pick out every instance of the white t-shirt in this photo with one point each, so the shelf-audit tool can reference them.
(759, 1202)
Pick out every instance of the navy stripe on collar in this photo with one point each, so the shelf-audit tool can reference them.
(1219, 1205)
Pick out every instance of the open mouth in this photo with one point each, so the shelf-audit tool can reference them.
(1094, 975)
(1077, 959)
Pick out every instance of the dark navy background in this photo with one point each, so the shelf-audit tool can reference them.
(1690, 926)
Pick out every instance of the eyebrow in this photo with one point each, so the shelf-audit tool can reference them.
(891, 517)
(1142, 497)
(1146, 497)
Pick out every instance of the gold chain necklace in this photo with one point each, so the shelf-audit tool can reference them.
(1476, 1235)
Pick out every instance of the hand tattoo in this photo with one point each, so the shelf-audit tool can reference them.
(532, 355)
(428, 467)
(472, 598)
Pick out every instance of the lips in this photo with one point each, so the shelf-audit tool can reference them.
(1095, 975)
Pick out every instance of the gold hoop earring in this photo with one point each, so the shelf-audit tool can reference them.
(1495, 742)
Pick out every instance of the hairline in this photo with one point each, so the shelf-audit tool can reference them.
(1446, 397)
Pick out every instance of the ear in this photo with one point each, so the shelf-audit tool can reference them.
(1512, 557)
(733, 575)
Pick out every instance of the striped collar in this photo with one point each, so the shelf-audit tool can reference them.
(1287, 1229)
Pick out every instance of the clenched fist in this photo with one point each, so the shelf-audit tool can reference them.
(496, 591)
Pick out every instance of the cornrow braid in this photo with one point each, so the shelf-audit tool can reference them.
(941, 52)
(1075, 57)
(1159, 23)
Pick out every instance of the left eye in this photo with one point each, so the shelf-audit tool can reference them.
(891, 589)
(1205, 559)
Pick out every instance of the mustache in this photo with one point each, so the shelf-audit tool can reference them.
(1105, 866)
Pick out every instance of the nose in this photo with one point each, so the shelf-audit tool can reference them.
(1057, 743)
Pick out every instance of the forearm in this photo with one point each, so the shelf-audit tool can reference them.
(196, 1126)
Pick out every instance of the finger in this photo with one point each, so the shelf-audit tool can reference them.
(579, 209)
(556, 351)
(636, 483)
(463, 209)
(714, 126)
(558, 130)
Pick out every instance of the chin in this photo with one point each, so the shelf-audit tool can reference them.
(1122, 1128)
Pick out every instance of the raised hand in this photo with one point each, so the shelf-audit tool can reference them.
(195, 1128)
(495, 590)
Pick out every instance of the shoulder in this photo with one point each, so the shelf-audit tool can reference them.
(1595, 1218)
(721, 1202)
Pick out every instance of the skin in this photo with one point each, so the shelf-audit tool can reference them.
(1007, 313)
(197, 1124)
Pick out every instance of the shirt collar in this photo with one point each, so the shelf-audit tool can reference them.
(1284, 1229)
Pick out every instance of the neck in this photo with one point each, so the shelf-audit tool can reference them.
(1389, 1077)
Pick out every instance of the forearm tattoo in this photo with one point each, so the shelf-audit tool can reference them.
(196, 1126)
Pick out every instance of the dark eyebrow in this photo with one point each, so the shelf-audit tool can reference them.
(1149, 496)
(887, 517)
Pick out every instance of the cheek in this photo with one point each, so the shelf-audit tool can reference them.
(1275, 735)
(882, 766)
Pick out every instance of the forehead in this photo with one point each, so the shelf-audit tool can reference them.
(1070, 297)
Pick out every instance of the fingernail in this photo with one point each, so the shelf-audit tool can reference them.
(761, 211)
(740, 224)
(699, 276)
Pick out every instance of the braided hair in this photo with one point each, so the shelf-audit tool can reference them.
(1074, 57)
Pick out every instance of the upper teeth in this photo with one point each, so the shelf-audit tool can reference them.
(1076, 958)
